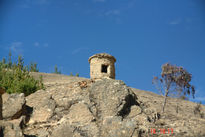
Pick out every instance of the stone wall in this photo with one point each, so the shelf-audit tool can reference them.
(95, 68)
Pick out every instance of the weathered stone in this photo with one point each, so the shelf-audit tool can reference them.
(135, 110)
(112, 98)
(113, 126)
(43, 106)
(12, 105)
(63, 130)
(37, 132)
(11, 128)
(81, 118)
(2, 91)
(5, 97)
(80, 114)
(102, 66)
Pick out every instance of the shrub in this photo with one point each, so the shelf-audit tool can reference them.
(16, 79)
(197, 110)
(56, 71)
(77, 74)
(71, 74)
(33, 67)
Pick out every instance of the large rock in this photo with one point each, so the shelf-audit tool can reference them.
(89, 110)
(11, 128)
(81, 118)
(43, 106)
(111, 98)
(13, 105)
(111, 103)
(80, 114)
(114, 126)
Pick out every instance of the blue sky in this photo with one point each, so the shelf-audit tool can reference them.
(141, 34)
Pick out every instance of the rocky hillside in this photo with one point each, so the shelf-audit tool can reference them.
(79, 107)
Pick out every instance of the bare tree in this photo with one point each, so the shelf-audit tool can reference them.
(173, 80)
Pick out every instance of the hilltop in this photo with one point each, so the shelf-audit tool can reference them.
(79, 107)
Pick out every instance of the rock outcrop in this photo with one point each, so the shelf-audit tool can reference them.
(13, 105)
(100, 108)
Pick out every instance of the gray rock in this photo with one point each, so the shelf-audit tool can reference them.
(114, 126)
(63, 130)
(111, 98)
(43, 106)
(80, 117)
(11, 128)
(12, 105)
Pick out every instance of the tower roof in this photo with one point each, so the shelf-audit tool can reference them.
(102, 55)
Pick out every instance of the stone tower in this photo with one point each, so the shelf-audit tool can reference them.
(102, 65)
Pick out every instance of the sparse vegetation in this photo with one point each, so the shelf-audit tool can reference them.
(56, 71)
(184, 97)
(77, 74)
(71, 74)
(15, 78)
(198, 111)
(174, 80)
(33, 67)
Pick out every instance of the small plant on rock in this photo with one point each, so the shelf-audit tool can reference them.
(56, 71)
(77, 74)
(197, 110)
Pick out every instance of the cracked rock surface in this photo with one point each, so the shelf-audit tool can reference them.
(79, 107)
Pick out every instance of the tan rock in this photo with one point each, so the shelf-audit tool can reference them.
(135, 110)
(79, 113)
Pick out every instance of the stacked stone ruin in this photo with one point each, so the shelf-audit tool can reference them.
(102, 65)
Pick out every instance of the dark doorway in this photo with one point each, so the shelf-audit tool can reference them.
(104, 68)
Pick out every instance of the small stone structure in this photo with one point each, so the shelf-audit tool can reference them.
(102, 65)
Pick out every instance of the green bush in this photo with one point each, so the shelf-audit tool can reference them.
(77, 74)
(16, 79)
(71, 74)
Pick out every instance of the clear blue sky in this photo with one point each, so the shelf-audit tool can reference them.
(141, 34)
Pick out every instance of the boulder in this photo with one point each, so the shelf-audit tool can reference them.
(13, 105)
(111, 98)
(114, 126)
(11, 128)
(43, 106)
